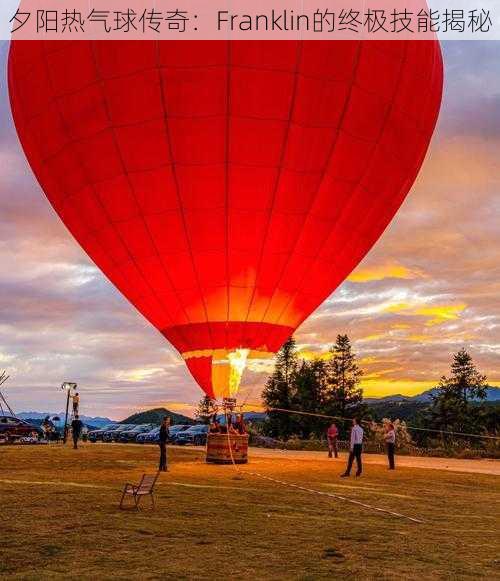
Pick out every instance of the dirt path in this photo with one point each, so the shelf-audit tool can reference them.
(484, 466)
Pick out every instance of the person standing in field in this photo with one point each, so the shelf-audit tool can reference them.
(390, 442)
(356, 449)
(164, 431)
(76, 430)
(331, 435)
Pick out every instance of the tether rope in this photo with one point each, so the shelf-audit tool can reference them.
(369, 422)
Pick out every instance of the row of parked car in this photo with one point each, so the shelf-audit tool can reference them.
(150, 434)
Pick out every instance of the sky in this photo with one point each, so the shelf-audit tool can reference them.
(430, 286)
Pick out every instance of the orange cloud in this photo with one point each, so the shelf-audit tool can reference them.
(374, 337)
(383, 271)
(436, 314)
(441, 314)
(420, 338)
(309, 355)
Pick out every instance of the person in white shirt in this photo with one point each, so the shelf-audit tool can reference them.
(356, 449)
(390, 441)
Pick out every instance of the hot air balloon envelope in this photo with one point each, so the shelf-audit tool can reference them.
(225, 187)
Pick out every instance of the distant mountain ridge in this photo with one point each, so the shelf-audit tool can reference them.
(492, 394)
(98, 421)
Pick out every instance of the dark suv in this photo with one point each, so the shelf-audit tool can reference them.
(112, 435)
(175, 430)
(96, 435)
(196, 435)
(13, 428)
(131, 435)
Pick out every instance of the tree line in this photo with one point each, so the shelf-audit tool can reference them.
(332, 387)
(329, 387)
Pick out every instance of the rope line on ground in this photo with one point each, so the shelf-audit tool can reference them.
(338, 497)
(312, 491)
(373, 422)
(319, 492)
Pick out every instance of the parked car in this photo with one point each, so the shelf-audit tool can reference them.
(111, 435)
(153, 436)
(12, 428)
(96, 435)
(196, 435)
(131, 435)
(173, 431)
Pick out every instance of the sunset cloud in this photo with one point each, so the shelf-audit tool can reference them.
(384, 271)
(434, 314)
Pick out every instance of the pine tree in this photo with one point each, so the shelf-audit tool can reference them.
(279, 390)
(205, 410)
(451, 407)
(465, 381)
(309, 396)
(344, 396)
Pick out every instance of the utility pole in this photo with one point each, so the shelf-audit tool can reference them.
(68, 386)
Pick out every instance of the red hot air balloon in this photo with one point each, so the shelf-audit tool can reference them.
(225, 187)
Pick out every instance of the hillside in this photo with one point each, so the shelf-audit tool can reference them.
(404, 410)
(155, 416)
(408, 410)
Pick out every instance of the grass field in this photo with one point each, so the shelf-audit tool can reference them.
(60, 519)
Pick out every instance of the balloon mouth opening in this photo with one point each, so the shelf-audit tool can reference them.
(226, 368)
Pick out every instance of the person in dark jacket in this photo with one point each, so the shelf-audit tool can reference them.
(76, 430)
(163, 443)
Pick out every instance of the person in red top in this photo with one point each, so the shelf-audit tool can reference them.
(331, 435)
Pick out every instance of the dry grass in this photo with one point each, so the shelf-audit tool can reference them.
(60, 519)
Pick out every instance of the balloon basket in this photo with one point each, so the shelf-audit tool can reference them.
(219, 451)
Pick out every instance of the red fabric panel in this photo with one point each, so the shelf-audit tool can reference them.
(201, 370)
(230, 336)
(226, 188)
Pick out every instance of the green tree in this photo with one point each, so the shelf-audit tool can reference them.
(452, 408)
(279, 390)
(309, 396)
(205, 410)
(343, 396)
(465, 381)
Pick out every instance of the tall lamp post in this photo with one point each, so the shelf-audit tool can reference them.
(68, 386)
